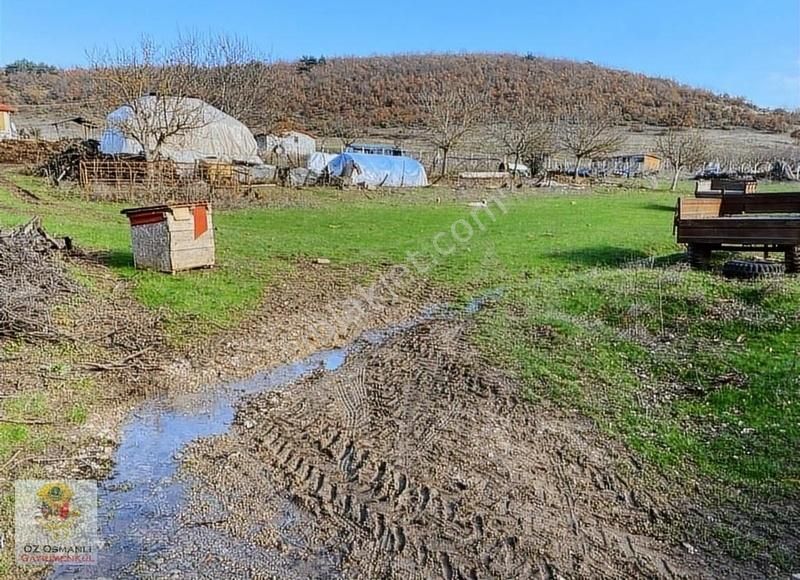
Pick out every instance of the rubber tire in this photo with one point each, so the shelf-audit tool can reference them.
(699, 256)
(792, 260)
(751, 269)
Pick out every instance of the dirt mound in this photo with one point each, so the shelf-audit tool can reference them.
(415, 460)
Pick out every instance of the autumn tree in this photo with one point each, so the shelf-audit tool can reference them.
(681, 149)
(588, 132)
(449, 116)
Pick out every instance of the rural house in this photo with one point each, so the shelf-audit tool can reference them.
(7, 128)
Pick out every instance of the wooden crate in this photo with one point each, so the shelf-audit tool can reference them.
(171, 238)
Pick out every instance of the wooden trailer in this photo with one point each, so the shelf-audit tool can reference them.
(768, 222)
(718, 187)
(171, 238)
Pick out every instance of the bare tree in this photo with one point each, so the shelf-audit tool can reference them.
(524, 135)
(589, 132)
(681, 149)
(164, 87)
(151, 82)
(343, 127)
(449, 116)
(227, 72)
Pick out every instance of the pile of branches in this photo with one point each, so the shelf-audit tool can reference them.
(66, 163)
(32, 281)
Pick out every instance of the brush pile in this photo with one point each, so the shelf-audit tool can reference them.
(32, 281)
(66, 164)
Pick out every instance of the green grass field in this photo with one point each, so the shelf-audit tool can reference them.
(696, 373)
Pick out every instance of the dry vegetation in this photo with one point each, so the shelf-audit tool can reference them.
(383, 91)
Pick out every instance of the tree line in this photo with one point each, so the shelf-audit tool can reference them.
(383, 91)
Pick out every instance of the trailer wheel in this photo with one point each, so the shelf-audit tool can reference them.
(792, 260)
(751, 269)
(699, 256)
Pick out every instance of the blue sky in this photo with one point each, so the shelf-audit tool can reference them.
(741, 47)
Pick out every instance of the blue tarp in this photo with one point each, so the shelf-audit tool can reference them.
(380, 170)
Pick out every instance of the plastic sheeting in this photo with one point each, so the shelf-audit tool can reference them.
(379, 170)
(215, 134)
(319, 161)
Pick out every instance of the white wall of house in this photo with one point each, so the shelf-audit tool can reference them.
(7, 128)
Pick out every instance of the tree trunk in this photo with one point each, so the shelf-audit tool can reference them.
(577, 167)
(675, 179)
(445, 155)
(515, 168)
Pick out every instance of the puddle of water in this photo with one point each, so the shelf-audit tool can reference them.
(140, 503)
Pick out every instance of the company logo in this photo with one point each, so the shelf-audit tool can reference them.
(55, 522)
(57, 516)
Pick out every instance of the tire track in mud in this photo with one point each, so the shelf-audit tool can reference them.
(416, 460)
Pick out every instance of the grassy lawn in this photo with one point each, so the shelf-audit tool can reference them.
(695, 372)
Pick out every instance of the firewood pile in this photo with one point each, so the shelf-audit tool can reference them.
(32, 281)
(28, 151)
(66, 163)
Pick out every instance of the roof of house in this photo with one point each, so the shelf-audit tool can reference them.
(634, 154)
(6, 108)
(76, 120)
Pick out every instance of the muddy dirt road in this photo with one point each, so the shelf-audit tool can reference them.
(416, 460)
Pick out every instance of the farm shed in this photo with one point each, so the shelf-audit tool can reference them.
(294, 144)
(630, 164)
(75, 127)
(210, 133)
(170, 238)
(379, 170)
(7, 128)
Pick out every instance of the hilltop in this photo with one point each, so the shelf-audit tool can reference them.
(381, 91)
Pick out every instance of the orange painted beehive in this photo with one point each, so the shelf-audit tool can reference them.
(171, 238)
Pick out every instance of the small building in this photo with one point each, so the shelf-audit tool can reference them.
(171, 238)
(72, 127)
(7, 128)
(295, 146)
(628, 165)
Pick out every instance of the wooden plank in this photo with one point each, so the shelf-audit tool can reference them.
(185, 238)
(693, 208)
(192, 258)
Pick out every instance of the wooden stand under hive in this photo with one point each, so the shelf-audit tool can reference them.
(170, 238)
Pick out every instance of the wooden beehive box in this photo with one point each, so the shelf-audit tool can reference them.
(171, 238)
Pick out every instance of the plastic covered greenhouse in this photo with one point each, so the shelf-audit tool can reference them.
(379, 170)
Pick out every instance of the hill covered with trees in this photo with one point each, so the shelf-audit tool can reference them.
(383, 91)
